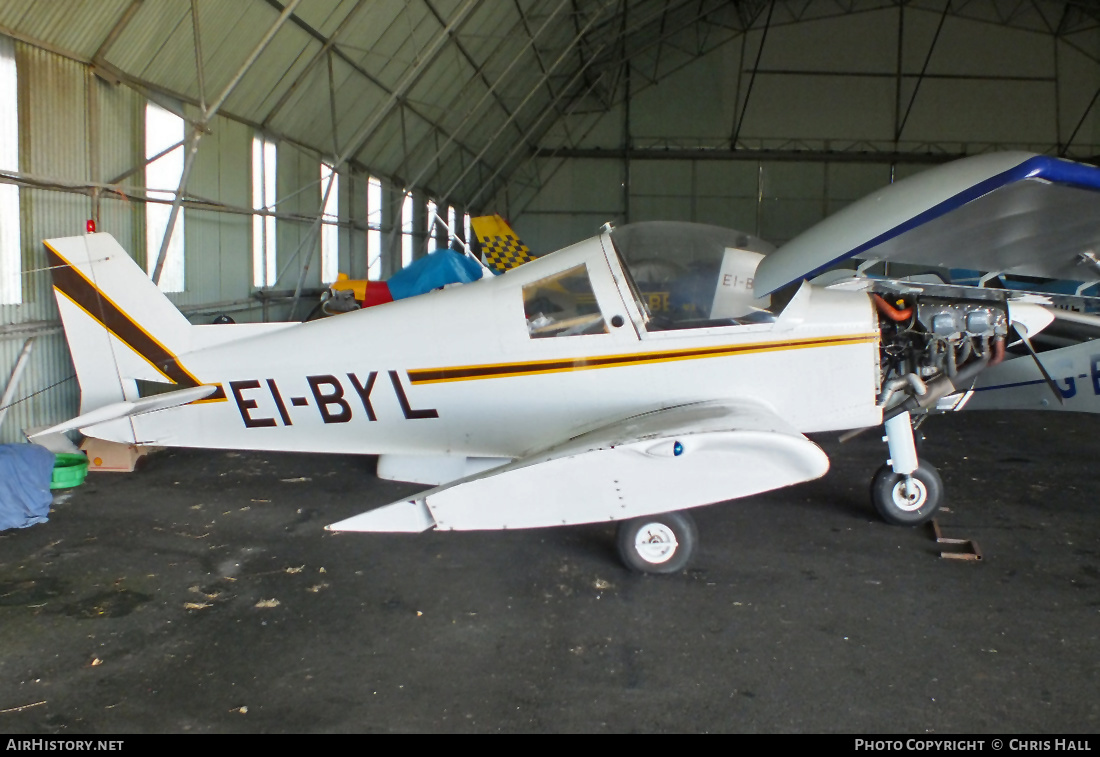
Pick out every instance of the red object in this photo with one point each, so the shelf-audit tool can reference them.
(890, 312)
(998, 350)
(378, 293)
(90, 226)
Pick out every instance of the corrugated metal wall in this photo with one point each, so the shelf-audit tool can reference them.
(78, 129)
(53, 128)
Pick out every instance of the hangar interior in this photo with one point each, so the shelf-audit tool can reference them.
(203, 594)
(225, 122)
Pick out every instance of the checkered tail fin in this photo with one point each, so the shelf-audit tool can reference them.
(501, 248)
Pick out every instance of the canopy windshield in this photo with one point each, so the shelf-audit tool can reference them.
(689, 275)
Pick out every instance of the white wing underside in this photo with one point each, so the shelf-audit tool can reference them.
(1004, 212)
(623, 470)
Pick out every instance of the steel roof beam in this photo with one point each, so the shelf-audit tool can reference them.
(197, 133)
(469, 59)
(329, 43)
(827, 156)
(117, 29)
(576, 40)
(531, 157)
(471, 112)
(476, 108)
(581, 71)
(579, 74)
(538, 55)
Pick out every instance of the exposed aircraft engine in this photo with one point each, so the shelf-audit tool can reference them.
(932, 347)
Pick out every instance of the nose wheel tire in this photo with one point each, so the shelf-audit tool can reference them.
(657, 543)
(907, 501)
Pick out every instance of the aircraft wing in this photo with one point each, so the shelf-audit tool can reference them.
(670, 459)
(1008, 212)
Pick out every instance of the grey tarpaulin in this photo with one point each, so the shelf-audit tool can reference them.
(25, 473)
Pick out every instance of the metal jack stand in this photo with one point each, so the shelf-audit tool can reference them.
(974, 555)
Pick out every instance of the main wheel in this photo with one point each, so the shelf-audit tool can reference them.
(658, 543)
(907, 502)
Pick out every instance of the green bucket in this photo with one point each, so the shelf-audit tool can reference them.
(68, 470)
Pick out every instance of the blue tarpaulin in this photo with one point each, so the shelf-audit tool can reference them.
(438, 269)
(25, 474)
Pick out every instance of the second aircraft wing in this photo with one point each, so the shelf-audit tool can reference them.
(1007, 212)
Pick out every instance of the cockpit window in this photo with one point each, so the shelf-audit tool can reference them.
(562, 305)
(688, 275)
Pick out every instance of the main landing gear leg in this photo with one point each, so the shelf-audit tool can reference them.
(905, 491)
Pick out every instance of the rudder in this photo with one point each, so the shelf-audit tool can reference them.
(120, 327)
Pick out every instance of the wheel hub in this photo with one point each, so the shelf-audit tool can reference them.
(909, 494)
(655, 543)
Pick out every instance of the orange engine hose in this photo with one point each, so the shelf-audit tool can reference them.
(998, 350)
(889, 311)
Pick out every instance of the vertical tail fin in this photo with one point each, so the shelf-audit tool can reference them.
(119, 325)
(501, 248)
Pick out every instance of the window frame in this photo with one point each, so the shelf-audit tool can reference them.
(264, 168)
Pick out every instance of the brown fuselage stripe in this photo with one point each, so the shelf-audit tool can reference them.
(84, 294)
(503, 370)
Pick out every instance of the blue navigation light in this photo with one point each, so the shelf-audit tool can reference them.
(677, 449)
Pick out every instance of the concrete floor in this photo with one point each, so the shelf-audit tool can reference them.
(202, 594)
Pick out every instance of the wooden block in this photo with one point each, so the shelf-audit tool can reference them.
(114, 457)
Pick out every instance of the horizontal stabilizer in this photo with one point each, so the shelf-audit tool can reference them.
(129, 408)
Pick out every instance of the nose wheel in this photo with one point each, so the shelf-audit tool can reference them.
(907, 500)
(905, 491)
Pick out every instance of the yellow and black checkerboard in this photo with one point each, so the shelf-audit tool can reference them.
(500, 247)
(504, 252)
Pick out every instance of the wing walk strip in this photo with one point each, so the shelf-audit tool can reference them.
(504, 370)
(79, 290)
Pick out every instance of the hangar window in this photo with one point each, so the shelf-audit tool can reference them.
(374, 228)
(11, 290)
(330, 230)
(407, 230)
(263, 198)
(562, 305)
(432, 242)
(164, 133)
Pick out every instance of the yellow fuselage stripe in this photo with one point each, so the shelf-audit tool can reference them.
(565, 365)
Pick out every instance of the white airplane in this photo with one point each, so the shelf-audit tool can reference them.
(551, 396)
